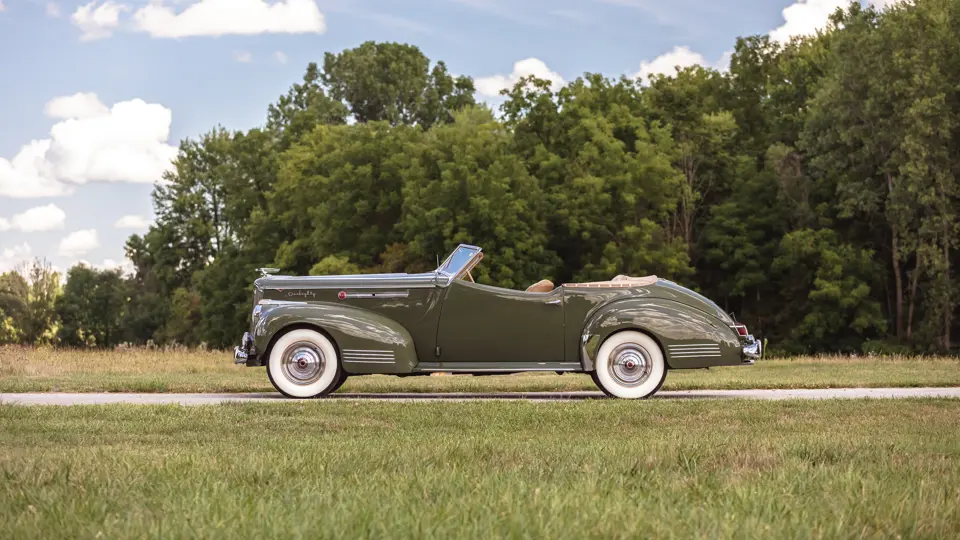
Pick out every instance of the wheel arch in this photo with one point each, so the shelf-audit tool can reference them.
(353, 331)
(282, 331)
(669, 323)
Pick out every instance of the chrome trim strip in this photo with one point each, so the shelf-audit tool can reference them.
(268, 302)
(693, 345)
(369, 361)
(365, 351)
(695, 355)
(385, 294)
(505, 370)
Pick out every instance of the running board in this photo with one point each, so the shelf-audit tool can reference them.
(495, 367)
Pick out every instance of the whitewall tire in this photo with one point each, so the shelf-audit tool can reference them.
(304, 364)
(630, 365)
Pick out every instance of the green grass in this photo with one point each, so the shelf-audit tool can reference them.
(140, 370)
(602, 469)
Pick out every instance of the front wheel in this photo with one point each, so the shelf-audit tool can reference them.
(630, 365)
(304, 364)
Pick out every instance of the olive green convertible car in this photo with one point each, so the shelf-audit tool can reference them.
(314, 332)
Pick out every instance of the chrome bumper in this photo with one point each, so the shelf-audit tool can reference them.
(752, 350)
(242, 353)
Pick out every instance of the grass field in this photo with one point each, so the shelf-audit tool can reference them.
(610, 469)
(46, 370)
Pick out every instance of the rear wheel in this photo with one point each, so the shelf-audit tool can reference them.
(304, 364)
(629, 365)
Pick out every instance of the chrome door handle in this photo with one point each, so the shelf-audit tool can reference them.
(554, 302)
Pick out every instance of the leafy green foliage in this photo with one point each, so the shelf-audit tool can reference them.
(92, 307)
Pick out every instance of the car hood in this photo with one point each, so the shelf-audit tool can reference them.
(347, 281)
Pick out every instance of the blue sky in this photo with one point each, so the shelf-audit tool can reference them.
(192, 71)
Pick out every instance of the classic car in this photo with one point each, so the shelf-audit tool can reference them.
(313, 332)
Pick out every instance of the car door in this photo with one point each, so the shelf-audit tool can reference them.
(484, 324)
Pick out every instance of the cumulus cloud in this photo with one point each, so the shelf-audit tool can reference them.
(244, 57)
(491, 86)
(79, 105)
(132, 222)
(39, 219)
(2, 7)
(98, 20)
(10, 258)
(123, 143)
(669, 63)
(79, 243)
(125, 266)
(53, 9)
(281, 57)
(806, 17)
(222, 17)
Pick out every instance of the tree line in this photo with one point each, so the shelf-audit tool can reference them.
(811, 189)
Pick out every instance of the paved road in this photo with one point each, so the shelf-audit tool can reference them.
(211, 399)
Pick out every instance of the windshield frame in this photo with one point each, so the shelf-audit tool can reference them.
(454, 273)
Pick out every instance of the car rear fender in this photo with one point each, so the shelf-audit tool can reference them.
(676, 327)
(366, 341)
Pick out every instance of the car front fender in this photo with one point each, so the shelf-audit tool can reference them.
(366, 341)
(689, 337)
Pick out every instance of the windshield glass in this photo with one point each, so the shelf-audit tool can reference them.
(458, 260)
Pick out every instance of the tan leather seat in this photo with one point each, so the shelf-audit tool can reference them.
(544, 285)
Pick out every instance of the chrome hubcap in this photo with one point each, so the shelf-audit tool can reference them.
(629, 365)
(303, 363)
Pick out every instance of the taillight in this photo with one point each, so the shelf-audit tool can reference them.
(741, 329)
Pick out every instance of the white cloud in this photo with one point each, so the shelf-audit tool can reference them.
(491, 86)
(125, 143)
(10, 258)
(79, 105)
(281, 57)
(2, 7)
(126, 266)
(132, 222)
(26, 175)
(667, 63)
(806, 17)
(39, 219)
(79, 243)
(222, 17)
(53, 9)
(98, 20)
(244, 57)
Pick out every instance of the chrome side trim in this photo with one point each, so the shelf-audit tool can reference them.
(694, 350)
(368, 356)
(385, 294)
(504, 370)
